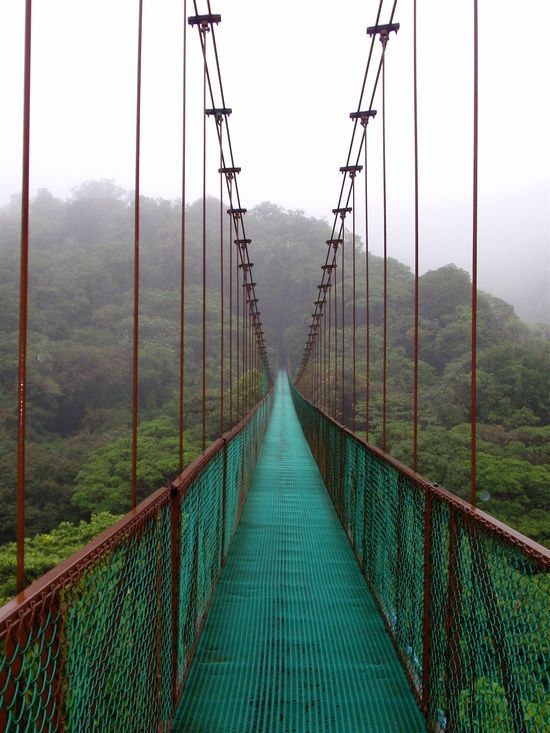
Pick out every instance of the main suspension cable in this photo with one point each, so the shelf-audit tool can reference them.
(389, 27)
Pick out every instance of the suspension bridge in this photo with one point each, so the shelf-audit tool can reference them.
(295, 576)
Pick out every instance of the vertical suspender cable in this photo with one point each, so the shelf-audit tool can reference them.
(316, 367)
(335, 340)
(385, 227)
(315, 370)
(250, 361)
(183, 235)
(23, 309)
(324, 297)
(247, 344)
(249, 349)
(230, 308)
(473, 408)
(203, 402)
(329, 345)
(245, 338)
(238, 335)
(254, 361)
(416, 252)
(246, 349)
(135, 369)
(221, 287)
(354, 312)
(367, 294)
(321, 355)
(343, 418)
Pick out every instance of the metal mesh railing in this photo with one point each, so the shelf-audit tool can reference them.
(105, 640)
(466, 600)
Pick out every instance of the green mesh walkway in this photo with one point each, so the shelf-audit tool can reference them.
(293, 641)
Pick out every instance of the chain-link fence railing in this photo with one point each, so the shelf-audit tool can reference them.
(104, 641)
(465, 598)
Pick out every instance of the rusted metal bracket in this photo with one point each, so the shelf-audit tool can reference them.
(351, 169)
(204, 21)
(342, 211)
(229, 172)
(383, 30)
(363, 116)
(218, 113)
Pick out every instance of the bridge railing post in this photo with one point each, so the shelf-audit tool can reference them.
(427, 603)
(175, 548)
(224, 502)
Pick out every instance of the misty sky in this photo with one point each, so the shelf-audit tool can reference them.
(292, 72)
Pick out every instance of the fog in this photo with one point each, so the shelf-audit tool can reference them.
(292, 73)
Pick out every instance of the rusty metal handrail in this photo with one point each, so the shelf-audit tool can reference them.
(41, 636)
(458, 589)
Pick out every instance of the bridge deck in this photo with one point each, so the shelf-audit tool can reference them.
(293, 640)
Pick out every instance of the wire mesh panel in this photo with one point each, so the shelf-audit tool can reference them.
(30, 679)
(104, 641)
(465, 599)
(90, 633)
(117, 636)
(491, 634)
(234, 451)
(211, 500)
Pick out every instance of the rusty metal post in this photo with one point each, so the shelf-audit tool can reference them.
(23, 309)
(416, 252)
(175, 546)
(385, 231)
(453, 667)
(427, 603)
(473, 406)
(222, 335)
(229, 239)
(367, 293)
(183, 237)
(224, 501)
(204, 30)
(135, 342)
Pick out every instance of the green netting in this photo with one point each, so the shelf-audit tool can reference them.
(293, 640)
(117, 636)
(483, 661)
(490, 648)
(70, 657)
(105, 643)
(211, 508)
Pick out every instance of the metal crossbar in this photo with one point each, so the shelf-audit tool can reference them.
(105, 640)
(465, 598)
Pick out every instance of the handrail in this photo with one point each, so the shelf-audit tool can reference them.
(464, 597)
(126, 611)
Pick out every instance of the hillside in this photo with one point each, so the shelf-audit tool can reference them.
(80, 356)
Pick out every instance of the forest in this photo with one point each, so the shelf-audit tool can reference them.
(80, 331)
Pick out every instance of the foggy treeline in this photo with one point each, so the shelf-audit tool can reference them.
(80, 332)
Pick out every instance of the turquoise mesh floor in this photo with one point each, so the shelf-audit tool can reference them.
(293, 641)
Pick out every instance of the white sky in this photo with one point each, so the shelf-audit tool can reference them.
(292, 72)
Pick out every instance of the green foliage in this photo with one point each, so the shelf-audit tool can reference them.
(45, 551)
(102, 484)
(80, 339)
